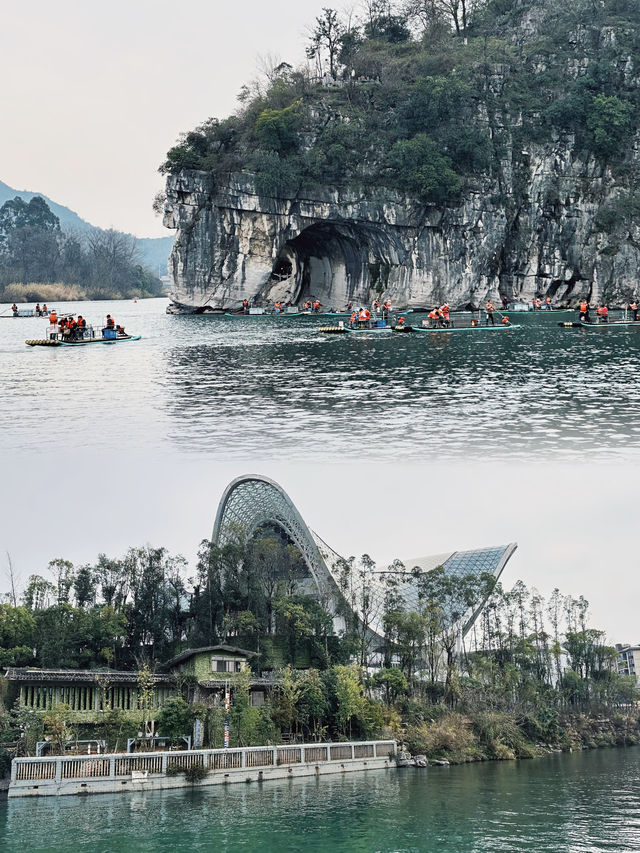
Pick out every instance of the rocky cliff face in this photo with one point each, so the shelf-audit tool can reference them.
(529, 231)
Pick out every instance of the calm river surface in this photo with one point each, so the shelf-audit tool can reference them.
(584, 802)
(270, 389)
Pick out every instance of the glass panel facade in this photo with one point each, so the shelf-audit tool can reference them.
(251, 502)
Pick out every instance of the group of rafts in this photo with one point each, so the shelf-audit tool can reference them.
(66, 330)
(438, 320)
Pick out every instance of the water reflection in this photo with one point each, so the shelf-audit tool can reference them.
(278, 389)
(585, 802)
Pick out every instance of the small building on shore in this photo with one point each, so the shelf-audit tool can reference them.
(211, 668)
(87, 692)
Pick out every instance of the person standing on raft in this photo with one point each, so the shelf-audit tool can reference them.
(489, 309)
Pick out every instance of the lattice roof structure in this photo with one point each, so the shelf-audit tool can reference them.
(252, 502)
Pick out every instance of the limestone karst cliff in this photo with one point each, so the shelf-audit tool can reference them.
(545, 203)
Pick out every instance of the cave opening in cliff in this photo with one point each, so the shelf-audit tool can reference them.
(338, 262)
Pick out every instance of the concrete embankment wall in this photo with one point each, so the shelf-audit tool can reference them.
(101, 774)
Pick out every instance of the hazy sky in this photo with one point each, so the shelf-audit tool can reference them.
(94, 94)
(575, 525)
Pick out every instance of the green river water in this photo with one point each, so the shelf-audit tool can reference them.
(583, 802)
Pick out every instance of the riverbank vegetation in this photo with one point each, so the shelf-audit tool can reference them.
(429, 97)
(528, 675)
(41, 263)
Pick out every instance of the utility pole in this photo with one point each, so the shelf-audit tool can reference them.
(227, 705)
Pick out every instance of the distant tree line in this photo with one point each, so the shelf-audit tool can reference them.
(35, 251)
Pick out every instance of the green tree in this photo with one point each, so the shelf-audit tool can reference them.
(175, 718)
(609, 121)
(277, 130)
(312, 704)
(350, 697)
(394, 682)
(417, 166)
(327, 35)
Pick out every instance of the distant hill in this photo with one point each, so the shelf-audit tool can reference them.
(154, 251)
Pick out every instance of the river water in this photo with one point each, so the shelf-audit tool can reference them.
(583, 803)
(268, 389)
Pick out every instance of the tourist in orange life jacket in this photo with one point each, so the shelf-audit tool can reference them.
(584, 311)
(444, 311)
(364, 315)
(401, 321)
(633, 307)
(38, 310)
(352, 320)
(538, 304)
(505, 321)
(53, 317)
(604, 314)
(548, 303)
(14, 308)
(245, 306)
(317, 305)
(434, 316)
(111, 323)
(489, 309)
(386, 307)
(277, 307)
(44, 308)
(307, 305)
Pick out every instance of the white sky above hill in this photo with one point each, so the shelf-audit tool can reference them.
(95, 94)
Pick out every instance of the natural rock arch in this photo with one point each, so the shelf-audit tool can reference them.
(335, 262)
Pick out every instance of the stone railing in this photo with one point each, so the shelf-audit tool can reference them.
(57, 770)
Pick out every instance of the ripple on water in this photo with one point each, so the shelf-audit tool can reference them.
(230, 388)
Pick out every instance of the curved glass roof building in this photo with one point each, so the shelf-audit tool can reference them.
(250, 503)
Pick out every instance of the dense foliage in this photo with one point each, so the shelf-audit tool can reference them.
(431, 96)
(35, 252)
(522, 675)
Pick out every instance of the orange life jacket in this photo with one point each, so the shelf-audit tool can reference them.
(353, 317)
(583, 307)
(53, 318)
(604, 311)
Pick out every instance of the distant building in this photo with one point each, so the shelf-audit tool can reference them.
(252, 504)
(628, 661)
